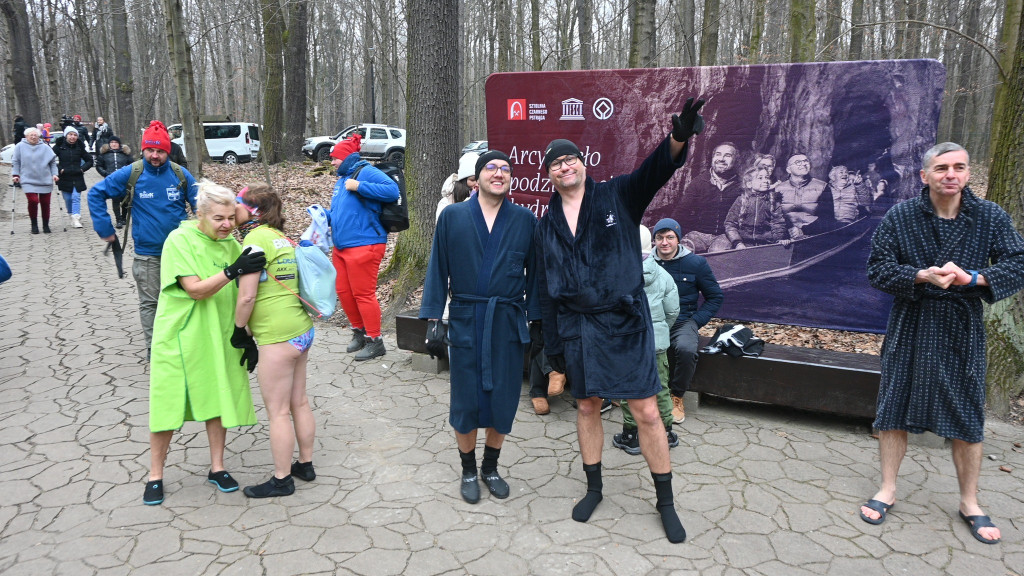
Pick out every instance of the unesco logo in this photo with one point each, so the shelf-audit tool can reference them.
(603, 109)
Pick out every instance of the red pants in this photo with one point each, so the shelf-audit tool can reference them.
(357, 269)
(41, 200)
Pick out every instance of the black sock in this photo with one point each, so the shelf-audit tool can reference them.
(468, 461)
(585, 507)
(669, 519)
(490, 461)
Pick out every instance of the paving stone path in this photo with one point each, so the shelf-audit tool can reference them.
(760, 491)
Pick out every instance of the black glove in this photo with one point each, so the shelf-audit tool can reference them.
(244, 341)
(437, 339)
(688, 122)
(246, 264)
(557, 363)
(536, 332)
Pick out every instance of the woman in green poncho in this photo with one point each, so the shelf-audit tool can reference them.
(195, 372)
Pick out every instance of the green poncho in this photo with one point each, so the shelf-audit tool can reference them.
(195, 373)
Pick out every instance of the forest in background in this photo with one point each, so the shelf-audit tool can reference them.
(355, 51)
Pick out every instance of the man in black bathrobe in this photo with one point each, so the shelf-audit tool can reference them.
(597, 323)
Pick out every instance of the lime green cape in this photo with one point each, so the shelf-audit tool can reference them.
(194, 372)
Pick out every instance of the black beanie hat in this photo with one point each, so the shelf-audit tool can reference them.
(112, 138)
(558, 148)
(487, 157)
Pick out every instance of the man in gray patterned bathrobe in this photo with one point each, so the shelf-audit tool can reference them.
(940, 255)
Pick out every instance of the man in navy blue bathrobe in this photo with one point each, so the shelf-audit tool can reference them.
(597, 322)
(483, 254)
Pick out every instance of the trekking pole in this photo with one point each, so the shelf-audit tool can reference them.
(60, 205)
(13, 195)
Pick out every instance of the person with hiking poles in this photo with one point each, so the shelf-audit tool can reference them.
(161, 194)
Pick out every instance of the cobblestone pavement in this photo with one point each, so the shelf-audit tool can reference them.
(760, 491)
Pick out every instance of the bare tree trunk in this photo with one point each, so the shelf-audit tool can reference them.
(24, 79)
(535, 53)
(433, 71)
(642, 41)
(56, 101)
(1012, 18)
(709, 34)
(1004, 319)
(369, 103)
(857, 34)
(503, 24)
(184, 84)
(686, 14)
(964, 78)
(124, 86)
(296, 99)
(585, 15)
(833, 18)
(89, 53)
(801, 30)
(273, 84)
(756, 32)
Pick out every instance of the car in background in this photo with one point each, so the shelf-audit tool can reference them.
(477, 146)
(380, 142)
(7, 154)
(227, 142)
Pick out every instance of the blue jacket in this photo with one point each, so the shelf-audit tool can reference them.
(157, 208)
(693, 278)
(355, 216)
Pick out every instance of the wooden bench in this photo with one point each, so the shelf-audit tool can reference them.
(805, 378)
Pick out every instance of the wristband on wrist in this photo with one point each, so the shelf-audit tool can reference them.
(974, 277)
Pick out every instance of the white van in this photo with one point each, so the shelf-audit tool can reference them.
(227, 142)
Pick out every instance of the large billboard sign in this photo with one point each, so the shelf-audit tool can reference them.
(782, 189)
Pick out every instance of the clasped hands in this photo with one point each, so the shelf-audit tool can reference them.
(949, 274)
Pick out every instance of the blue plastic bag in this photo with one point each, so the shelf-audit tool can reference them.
(5, 270)
(316, 280)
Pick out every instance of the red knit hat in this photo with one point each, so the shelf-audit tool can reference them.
(351, 144)
(156, 136)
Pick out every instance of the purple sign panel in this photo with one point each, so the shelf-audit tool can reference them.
(781, 191)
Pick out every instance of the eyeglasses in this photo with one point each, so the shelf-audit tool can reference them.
(505, 169)
(567, 161)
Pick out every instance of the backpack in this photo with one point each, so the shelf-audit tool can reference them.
(394, 216)
(137, 168)
(126, 202)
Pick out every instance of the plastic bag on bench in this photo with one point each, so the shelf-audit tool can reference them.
(735, 340)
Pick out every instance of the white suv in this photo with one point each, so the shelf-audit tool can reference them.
(227, 142)
(380, 142)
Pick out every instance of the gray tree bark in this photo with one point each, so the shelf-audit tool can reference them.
(295, 59)
(184, 84)
(1005, 319)
(24, 80)
(433, 77)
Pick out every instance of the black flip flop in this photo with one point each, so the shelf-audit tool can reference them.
(878, 506)
(978, 522)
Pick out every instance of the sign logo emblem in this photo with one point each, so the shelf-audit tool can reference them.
(603, 108)
(572, 109)
(517, 109)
